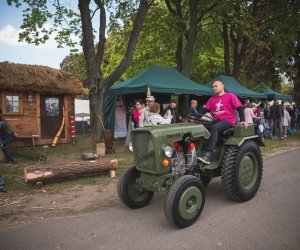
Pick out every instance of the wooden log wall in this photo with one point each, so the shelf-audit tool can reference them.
(28, 123)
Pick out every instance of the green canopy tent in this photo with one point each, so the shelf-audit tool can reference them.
(159, 80)
(270, 93)
(233, 86)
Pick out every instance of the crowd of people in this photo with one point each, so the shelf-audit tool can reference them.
(271, 119)
(276, 121)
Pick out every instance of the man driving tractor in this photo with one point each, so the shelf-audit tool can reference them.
(222, 107)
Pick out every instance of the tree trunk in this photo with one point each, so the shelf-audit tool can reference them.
(77, 168)
(190, 44)
(96, 110)
(178, 53)
(297, 76)
(189, 52)
(96, 84)
(226, 49)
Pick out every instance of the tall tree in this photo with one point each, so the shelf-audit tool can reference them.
(38, 13)
(187, 32)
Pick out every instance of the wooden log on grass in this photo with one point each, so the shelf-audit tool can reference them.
(77, 168)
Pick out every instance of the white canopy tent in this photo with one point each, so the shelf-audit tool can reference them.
(82, 109)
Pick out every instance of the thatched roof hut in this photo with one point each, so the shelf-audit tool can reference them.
(22, 77)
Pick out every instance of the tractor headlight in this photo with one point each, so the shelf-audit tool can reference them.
(168, 150)
(130, 146)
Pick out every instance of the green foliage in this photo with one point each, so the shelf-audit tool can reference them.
(271, 28)
(36, 14)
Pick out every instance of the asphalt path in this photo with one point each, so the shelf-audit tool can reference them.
(271, 220)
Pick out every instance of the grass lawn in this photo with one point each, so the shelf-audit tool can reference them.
(14, 175)
(28, 156)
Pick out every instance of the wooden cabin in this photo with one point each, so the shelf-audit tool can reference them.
(35, 100)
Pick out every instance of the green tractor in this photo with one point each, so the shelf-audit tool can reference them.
(166, 158)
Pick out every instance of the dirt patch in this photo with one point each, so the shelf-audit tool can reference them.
(21, 208)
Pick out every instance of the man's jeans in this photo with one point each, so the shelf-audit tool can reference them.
(277, 127)
(4, 140)
(215, 129)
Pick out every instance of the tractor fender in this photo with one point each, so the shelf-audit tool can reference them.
(238, 141)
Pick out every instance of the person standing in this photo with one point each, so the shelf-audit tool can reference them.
(222, 107)
(286, 121)
(292, 112)
(257, 111)
(135, 116)
(144, 116)
(7, 135)
(171, 110)
(249, 114)
(267, 116)
(277, 118)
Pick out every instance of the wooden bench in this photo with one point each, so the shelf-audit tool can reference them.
(32, 137)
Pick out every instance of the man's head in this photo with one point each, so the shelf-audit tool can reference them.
(194, 104)
(173, 104)
(150, 100)
(218, 86)
(276, 102)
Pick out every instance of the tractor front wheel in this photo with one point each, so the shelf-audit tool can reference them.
(185, 201)
(129, 191)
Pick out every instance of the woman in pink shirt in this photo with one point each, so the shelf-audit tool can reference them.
(136, 113)
(249, 114)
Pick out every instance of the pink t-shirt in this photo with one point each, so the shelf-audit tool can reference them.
(249, 115)
(223, 107)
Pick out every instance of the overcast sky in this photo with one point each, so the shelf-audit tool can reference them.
(13, 51)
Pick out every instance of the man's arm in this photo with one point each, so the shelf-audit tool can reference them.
(204, 110)
(240, 110)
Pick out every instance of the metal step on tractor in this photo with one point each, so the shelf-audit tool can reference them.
(166, 158)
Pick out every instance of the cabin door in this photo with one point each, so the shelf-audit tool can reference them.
(51, 115)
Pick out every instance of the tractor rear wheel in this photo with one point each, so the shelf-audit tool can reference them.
(129, 191)
(185, 201)
(242, 169)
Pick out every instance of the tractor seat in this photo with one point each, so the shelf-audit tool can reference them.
(227, 133)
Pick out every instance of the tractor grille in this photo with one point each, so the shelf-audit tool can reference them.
(144, 151)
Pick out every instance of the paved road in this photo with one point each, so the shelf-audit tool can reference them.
(269, 221)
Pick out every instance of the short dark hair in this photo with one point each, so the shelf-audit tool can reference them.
(139, 101)
(219, 80)
(172, 101)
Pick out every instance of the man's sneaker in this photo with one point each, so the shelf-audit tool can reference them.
(285, 135)
(281, 138)
(205, 158)
(2, 189)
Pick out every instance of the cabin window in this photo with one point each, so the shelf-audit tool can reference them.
(11, 104)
